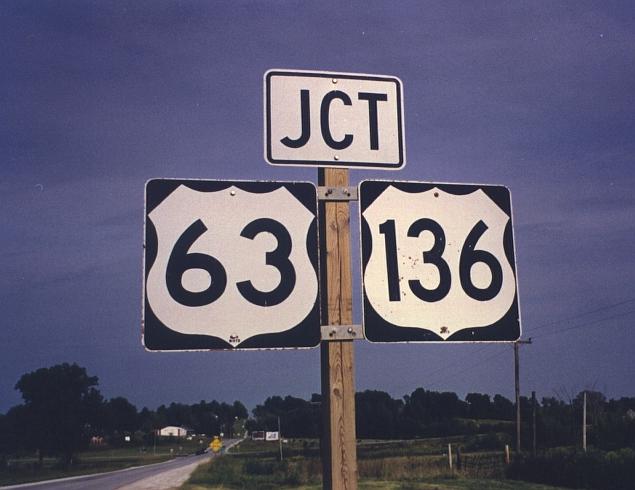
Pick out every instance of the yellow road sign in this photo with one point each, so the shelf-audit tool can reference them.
(216, 444)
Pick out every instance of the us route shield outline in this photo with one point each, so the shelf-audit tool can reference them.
(396, 322)
(169, 325)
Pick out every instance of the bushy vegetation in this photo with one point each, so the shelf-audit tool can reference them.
(423, 413)
(611, 423)
(258, 472)
(415, 464)
(299, 418)
(596, 469)
(426, 413)
(63, 410)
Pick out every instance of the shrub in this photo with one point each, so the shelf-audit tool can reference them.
(487, 442)
(260, 467)
(614, 470)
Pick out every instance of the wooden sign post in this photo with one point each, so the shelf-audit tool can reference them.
(338, 445)
(372, 106)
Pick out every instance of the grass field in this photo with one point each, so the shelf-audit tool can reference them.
(398, 465)
(96, 460)
(455, 484)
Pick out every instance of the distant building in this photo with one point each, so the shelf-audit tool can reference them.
(172, 431)
(258, 435)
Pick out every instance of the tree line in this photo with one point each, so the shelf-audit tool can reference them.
(425, 413)
(63, 409)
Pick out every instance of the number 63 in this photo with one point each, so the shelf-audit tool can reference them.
(182, 260)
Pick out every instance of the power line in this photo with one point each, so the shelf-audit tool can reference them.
(555, 332)
(587, 324)
(580, 315)
(586, 313)
(443, 368)
(575, 327)
(572, 317)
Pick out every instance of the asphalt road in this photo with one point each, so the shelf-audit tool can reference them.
(131, 476)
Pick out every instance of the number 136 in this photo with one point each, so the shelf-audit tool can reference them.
(434, 256)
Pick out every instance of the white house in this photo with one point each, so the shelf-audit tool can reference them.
(172, 431)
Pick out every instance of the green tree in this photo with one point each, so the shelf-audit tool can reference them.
(240, 411)
(61, 409)
(503, 409)
(479, 405)
(298, 417)
(120, 416)
(5, 440)
(428, 413)
(377, 415)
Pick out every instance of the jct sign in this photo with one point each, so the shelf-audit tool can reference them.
(333, 119)
(438, 262)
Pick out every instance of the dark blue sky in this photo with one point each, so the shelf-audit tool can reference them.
(98, 97)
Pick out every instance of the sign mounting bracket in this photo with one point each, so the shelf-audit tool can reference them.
(328, 193)
(342, 332)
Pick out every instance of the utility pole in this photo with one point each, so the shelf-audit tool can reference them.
(584, 421)
(517, 389)
(533, 423)
(279, 438)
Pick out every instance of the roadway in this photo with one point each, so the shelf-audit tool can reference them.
(159, 476)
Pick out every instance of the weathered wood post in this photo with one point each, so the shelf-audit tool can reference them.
(339, 452)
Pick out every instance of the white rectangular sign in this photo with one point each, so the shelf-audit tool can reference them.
(333, 119)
